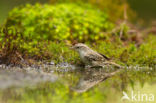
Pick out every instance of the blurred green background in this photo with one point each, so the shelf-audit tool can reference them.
(6, 6)
(145, 9)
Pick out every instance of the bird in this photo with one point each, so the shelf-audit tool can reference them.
(92, 58)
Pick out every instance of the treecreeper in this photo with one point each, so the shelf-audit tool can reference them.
(92, 58)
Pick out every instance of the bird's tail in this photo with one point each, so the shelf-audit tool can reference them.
(112, 63)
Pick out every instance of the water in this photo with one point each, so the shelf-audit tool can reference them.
(64, 80)
(87, 77)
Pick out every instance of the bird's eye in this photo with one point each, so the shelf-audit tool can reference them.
(77, 47)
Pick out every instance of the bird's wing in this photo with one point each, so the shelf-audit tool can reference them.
(94, 57)
(107, 58)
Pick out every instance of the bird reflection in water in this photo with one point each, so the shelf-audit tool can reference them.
(93, 76)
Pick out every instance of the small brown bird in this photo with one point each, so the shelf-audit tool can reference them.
(92, 58)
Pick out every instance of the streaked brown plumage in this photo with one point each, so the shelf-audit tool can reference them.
(91, 57)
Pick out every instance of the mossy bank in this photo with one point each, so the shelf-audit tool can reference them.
(44, 32)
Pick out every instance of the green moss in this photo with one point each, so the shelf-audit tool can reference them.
(59, 22)
(62, 53)
(126, 55)
(33, 30)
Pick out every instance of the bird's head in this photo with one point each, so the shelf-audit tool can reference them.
(79, 47)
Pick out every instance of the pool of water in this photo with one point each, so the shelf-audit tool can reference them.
(64, 80)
